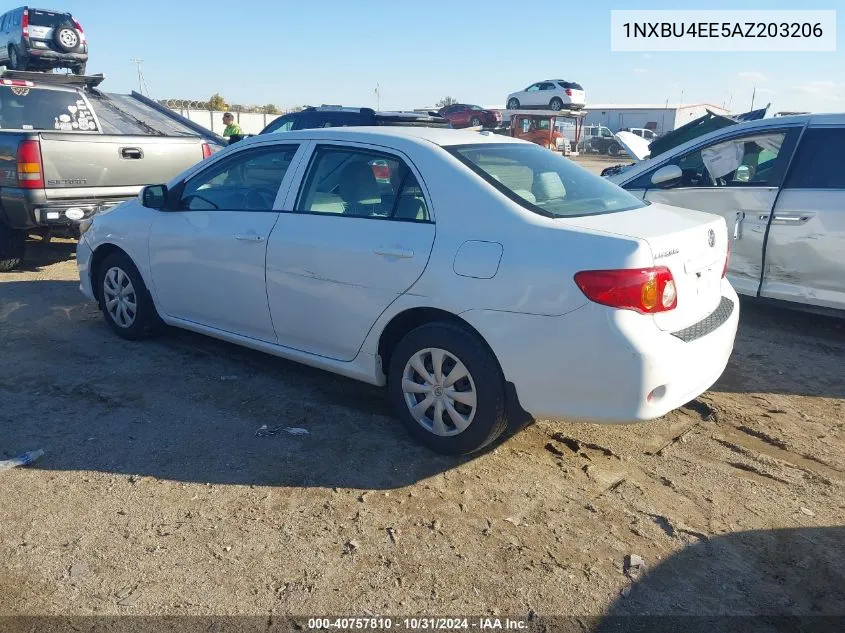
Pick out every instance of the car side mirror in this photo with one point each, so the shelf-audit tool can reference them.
(154, 196)
(666, 175)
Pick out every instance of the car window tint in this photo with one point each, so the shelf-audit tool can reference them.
(817, 164)
(361, 184)
(47, 18)
(544, 182)
(247, 181)
(282, 124)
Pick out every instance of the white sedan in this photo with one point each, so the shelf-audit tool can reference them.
(481, 278)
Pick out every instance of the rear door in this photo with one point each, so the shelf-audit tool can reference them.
(805, 253)
(357, 236)
(42, 25)
(737, 177)
(207, 254)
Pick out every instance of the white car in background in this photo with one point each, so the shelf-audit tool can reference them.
(551, 94)
(479, 277)
(780, 185)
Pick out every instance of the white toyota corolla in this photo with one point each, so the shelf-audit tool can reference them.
(479, 277)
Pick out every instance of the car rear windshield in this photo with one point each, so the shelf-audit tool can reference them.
(47, 18)
(544, 182)
(571, 85)
(25, 108)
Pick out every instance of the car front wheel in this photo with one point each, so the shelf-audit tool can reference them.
(124, 299)
(447, 388)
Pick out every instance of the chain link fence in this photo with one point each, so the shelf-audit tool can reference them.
(251, 119)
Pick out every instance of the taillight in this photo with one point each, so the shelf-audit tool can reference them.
(25, 23)
(727, 259)
(206, 151)
(645, 290)
(30, 168)
(78, 27)
(16, 82)
(569, 92)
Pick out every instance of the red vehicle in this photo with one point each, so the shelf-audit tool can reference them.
(463, 115)
(540, 129)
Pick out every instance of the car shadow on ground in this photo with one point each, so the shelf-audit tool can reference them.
(780, 350)
(760, 580)
(190, 408)
(39, 254)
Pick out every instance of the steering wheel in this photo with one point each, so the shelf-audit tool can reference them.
(260, 198)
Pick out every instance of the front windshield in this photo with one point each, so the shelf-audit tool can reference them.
(543, 181)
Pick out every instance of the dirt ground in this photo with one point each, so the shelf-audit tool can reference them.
(156, 494)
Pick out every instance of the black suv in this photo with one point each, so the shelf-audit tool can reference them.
(337, 116)
(35, 39)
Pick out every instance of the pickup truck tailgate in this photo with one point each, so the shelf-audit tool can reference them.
(102, 162)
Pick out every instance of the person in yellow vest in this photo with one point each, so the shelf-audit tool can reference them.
(233, 131)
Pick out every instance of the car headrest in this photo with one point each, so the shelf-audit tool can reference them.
(358, 183)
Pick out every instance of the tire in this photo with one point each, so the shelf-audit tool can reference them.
(116, 270)
(79, 70)
(15, 62)
(556, 104)
(12, 248)
(614, 149)
(486, 420)
(66, 38)
(475, 122)
(513, 104)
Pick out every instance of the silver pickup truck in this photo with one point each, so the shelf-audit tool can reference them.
(68, 151)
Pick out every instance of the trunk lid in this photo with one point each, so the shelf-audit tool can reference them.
(80, 161)
(691, 244)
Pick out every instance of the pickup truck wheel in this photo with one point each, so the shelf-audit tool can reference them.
(513, 104)
(12, 247)
(124, 299)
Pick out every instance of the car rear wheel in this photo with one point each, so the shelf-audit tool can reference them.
(124, 299)
(556, 104)
(475, 121)
(14, 59)
(513, 104)
(12, 247)
(447, 389)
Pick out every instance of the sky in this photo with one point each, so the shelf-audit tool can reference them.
(476, 51)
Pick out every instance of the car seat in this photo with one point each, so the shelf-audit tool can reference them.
(359, 190)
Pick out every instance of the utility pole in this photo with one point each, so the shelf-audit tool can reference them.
(377, 92)
(753, 94)
(138, 62)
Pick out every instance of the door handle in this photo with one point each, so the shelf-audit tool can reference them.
(400, 253)
(131, 153)
(790, 219)
(740, 216)
(249, 237)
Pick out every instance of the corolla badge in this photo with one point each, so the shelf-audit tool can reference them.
(711, 237)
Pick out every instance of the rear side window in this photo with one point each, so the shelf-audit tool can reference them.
(817, 164)
(24, 108)
(570, 85)
(49, 19)
(544, 182)
(364, 184)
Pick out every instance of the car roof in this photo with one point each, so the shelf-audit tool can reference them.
(389, 135)
(746, 126)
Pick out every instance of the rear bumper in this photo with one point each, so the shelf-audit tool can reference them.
(35, 53)
(601, 365)
(30, 208)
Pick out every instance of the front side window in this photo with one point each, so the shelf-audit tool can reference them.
(606, 133)
(360, 183)
(476, 108)
(247, 181)
(816, 164)
(532, 88)
(544, 182)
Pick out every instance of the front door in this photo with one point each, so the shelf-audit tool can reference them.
(207, 254)
(738, 178)
(805, 254)
(358, 235)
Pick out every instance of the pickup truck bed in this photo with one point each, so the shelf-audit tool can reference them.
(68, 151)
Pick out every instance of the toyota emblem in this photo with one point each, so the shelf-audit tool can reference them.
(711, 237)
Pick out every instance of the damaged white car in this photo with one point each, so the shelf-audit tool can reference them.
(780, 185)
